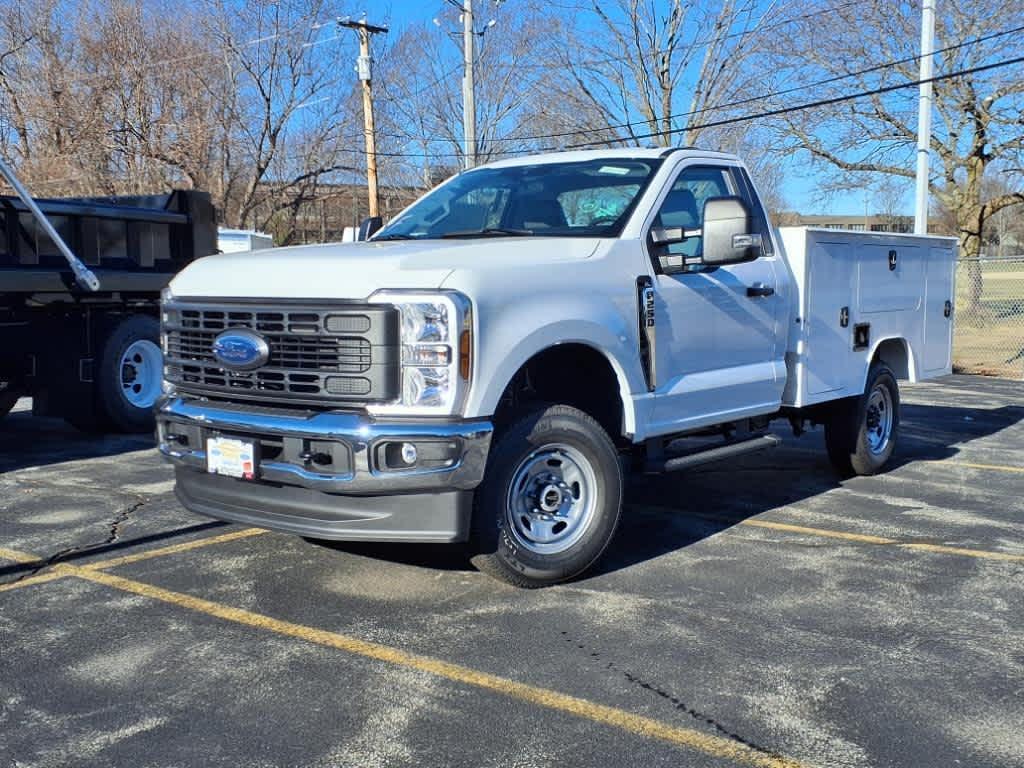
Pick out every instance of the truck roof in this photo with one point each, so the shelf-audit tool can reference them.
(623, 153)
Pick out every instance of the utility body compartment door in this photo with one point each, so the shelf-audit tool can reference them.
(889, 277)
(938, 312)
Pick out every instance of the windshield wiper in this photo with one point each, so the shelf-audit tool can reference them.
(489, 232)
(393, 237)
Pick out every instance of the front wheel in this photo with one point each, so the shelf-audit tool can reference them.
(860, 433)
(550, 500)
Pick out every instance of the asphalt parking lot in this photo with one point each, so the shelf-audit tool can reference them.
(760, 614)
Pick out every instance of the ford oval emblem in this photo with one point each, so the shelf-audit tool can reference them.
(240, 349)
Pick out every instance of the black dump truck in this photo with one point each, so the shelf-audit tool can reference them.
(79, 320)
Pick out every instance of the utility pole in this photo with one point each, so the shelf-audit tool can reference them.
(468, 87)
(365, 30)
(924, 117)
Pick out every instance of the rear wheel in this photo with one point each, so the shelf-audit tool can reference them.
(861, 432)
(550, 501)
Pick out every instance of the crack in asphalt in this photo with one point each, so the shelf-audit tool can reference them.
(113, 532)
(675, 701)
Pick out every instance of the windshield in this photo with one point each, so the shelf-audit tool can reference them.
(584, 199)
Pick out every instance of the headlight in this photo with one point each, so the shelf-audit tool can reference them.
(436, 344)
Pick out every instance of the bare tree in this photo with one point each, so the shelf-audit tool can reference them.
(978, 124)
(421, 100)
(290, 121)
(249, 100)
(659, 67)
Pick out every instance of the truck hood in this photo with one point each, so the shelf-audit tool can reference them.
(356, 270)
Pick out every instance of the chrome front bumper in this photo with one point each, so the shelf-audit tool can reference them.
(326, 475)
(183, 426)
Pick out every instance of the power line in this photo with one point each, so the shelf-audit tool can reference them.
(818, 102)
(739, 119)
(744, 118)
(727, 105)
(774, 94)
(81, 77)
(705, 41)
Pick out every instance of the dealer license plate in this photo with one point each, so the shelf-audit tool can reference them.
(227, 456)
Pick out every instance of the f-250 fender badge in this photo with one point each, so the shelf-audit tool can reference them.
(241, 350)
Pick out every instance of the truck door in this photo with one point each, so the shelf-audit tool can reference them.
(720, 351)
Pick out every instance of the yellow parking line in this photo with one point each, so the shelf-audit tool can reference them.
(995, 467)
(174, 549)
(984, 554)
(715, 746)
(16, 556)
(42, 578)
(863, 538)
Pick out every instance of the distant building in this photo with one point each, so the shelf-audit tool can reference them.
(323, 215)
(877, 223)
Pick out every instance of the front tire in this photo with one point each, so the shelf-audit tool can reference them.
(127, 379)
(8, 399)
(550, 500)
(861, 432)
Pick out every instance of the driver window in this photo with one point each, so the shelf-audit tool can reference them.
(684, 205)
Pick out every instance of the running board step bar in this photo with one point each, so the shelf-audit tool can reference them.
(738, 448)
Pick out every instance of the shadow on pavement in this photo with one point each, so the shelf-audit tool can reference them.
(27, 441)
(664, 513)
(738, 490)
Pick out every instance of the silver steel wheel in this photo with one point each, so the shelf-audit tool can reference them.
(141, 373)
(878, 419)
(551, 500)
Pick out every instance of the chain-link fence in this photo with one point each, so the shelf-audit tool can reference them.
(989, 328)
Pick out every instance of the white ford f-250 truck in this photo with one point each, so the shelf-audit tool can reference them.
(488, 366)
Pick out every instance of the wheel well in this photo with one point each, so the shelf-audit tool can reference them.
(893, 352)
(569, 374)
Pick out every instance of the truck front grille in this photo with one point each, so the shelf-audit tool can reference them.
(318, 354)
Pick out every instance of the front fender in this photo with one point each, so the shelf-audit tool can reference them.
(509, 335)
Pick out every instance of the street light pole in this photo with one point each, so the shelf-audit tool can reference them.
(468, 86)
(924, 117)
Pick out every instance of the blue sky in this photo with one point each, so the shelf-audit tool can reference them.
(801, 184)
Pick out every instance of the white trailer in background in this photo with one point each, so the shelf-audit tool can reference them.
(240, 240)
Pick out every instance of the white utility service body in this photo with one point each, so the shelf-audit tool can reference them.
(482, 368)
(896, 291)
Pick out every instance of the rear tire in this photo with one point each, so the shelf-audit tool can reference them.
(550, 501)
(861, 432)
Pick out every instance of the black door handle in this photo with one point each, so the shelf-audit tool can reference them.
(757, 289)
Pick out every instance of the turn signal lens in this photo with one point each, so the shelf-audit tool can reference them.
(465, 354)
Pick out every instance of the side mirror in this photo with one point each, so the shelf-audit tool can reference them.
(727, 235)
(368, 227)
